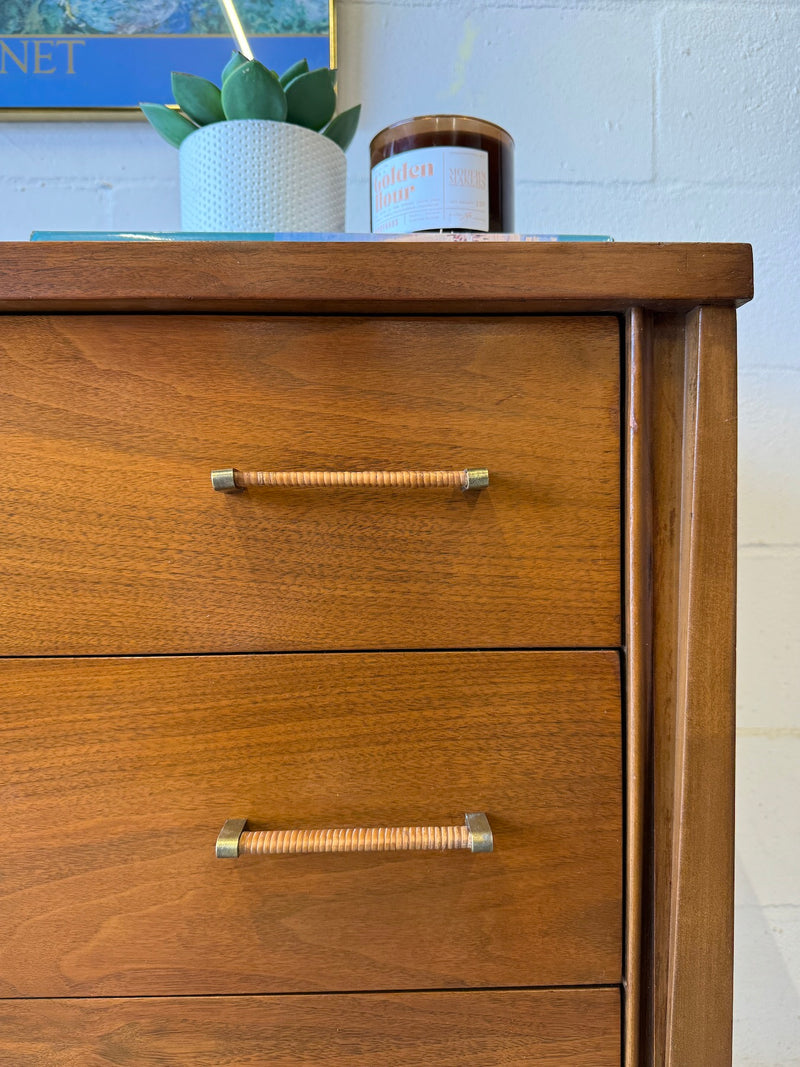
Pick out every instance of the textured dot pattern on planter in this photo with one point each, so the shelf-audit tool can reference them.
(256, 176)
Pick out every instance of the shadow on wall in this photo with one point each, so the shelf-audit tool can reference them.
(766, 1029)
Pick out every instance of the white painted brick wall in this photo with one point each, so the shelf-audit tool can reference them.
(648, 120)
(728, 91)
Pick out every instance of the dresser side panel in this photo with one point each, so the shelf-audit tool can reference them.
(700, 981)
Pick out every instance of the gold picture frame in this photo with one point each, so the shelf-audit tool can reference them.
(42, 75)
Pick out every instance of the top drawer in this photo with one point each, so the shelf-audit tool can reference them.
(116, 542)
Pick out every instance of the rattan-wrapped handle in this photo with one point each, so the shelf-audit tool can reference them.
(232, 480)
(235, 839)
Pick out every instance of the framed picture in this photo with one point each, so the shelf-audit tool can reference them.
(62, 58)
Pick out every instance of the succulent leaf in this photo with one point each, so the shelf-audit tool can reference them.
(296, 69)
(253, 92)
(171, 124)
(311, 99)
(342, 128)
(237, 60)
(198, 98)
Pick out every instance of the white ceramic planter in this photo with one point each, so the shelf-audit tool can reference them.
(255, 176)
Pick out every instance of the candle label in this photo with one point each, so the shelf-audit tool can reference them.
(444, 188)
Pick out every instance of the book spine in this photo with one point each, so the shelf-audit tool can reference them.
(349, 238)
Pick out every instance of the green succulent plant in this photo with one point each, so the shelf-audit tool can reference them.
(249, 90)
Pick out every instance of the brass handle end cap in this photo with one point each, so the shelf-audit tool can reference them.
(476, 478)
(228, 839)
(224, 481)
(480, 832)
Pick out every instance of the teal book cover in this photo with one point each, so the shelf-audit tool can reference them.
(465, 238)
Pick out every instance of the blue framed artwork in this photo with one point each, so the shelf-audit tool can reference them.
(71, 55)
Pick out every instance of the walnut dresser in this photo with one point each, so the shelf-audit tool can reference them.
(408, 739)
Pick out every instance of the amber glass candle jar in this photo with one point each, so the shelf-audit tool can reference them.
(442, 173)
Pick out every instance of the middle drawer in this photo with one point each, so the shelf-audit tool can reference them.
(122, 772)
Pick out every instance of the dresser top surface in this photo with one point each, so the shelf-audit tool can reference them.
(453, 278)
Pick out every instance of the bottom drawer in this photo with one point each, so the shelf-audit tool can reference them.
(542, 1028)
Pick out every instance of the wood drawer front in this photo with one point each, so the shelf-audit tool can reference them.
(541, 1028)
(118, 774)
(116, 543)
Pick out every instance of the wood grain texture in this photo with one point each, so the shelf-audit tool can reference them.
(638, 643)
(700, 979)
(122, 771)
(542, 1028)
(371, 278)
(666, 446)
(686, 714)
(116, 543)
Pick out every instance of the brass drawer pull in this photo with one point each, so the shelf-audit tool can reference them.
(235, 840)
(232, 480)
